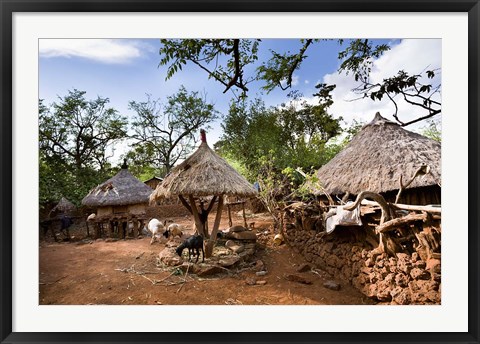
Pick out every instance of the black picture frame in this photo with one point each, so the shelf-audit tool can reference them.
(9, 7)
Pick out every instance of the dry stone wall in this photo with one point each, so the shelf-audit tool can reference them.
(403, 279)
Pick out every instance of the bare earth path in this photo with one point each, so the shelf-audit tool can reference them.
(127, 272)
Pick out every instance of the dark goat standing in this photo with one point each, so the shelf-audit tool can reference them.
(194, 242)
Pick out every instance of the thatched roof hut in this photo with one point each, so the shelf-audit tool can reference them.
(379, 155)
(64, 206)
(153, 182)
(119, 200)
(203, 174)
(120, 190)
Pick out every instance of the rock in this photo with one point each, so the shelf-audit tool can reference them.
(259, 265)
(414, 256)
(235, 229)
(403, 257)
(210, 270)
(237, 248)
(389, 279)
(370, 262)
(404, 266)
(403, 298)
(427, 285)
(433, 296)
(250, 281)
(261, 273)
(229, 243)
(401, 280)
(247, 252)
(370, 290)
(384, 295)
(297, 278)
(261, 282)
(169, 257)
(382, 273)
(421, 274)
(434, 265)
(396, 291)
(420, 264)
(229, 261)
(332, 285)
(221, 251)
(247, 235)
(111, 239)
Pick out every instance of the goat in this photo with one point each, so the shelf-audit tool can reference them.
(173, 230)
(155, 227)
(194, 242)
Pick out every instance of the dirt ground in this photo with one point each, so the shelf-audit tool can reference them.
(128, 272)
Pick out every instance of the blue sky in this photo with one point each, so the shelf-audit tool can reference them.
(125, 69)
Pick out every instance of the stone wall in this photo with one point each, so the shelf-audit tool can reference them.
(403, 279)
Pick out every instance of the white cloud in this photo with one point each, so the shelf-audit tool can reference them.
(411, 55)
(100, 50)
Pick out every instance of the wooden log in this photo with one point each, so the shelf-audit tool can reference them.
(198, 222)
(392, 224)
(428, 208)
(244, 217)
(216, 224)
(230, 223)
(136, 231)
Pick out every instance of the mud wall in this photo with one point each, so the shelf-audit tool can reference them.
(402, 279)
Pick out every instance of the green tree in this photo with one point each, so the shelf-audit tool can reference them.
(229, 60)
(295, 134)
(79, 131)
(74, 134)
(433, 130)
(164, 135)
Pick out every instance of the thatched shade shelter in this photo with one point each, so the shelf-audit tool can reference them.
(379, 158)
(203, 174)
(121, 198)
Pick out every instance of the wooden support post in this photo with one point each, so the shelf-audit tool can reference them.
(230, 223)
(124, 229)
(110, 228)
(196, 217)
(244, 217)
(135, 229)
(216, 225)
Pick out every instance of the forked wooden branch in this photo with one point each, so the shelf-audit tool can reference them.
(392, 224)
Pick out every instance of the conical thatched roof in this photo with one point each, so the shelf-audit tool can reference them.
(64, 206)
(204, 173)
(121, 189)
(377, 156)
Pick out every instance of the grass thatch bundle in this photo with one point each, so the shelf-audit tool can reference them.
(204, 173)
(121, 189)
(377, 157)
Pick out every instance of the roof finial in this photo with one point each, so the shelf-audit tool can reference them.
(124, 166)
(203, 136)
